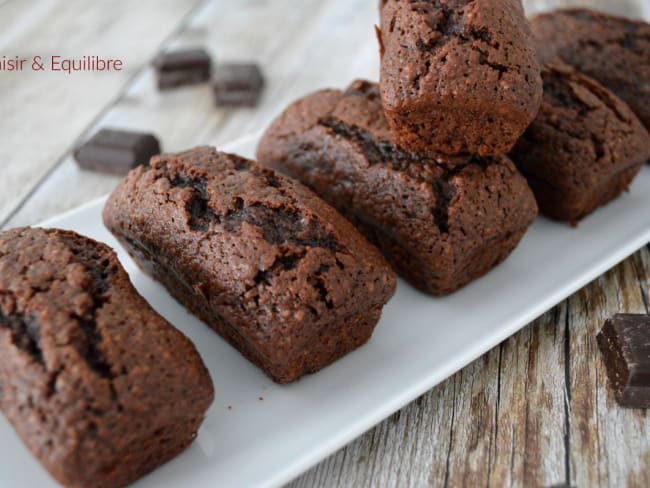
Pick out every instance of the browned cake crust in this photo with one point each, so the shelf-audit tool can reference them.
(441, 224)
(584, 148)
(100, 387)
(458, 76)
(612, 50)
(257, 256)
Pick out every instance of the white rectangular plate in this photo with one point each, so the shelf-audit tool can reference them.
(261, 434)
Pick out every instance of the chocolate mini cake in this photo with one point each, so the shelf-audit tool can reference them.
(458, 76)
(257, 256)
(441, 223)
(613, 50)
(584, 148)
(99, 387)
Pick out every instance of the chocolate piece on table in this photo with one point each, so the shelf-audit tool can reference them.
(184, 67)
(238, 84)
(116, 151)
(625, 344)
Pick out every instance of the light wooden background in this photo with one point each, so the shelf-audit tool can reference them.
(534, 411)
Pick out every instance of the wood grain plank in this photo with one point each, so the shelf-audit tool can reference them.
(529, 437)
(468, 459)
(42, 113)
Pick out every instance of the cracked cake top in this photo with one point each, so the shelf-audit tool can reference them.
(583, 139)
(455, 47)
(261, 248)
(615, 51)
(84, 355)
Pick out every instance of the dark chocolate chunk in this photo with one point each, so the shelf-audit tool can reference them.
(184, 67)
(116, 151)
(625, 344)
(238, 84)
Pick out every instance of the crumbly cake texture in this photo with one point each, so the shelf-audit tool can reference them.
(257, 256)
(615, 51)
(99, 387)
(584, 148)
(458, 76)
(440, 223)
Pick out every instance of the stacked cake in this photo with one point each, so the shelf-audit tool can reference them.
(436, 163)
(418, 162)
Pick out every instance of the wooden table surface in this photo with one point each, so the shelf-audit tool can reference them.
(534, 411)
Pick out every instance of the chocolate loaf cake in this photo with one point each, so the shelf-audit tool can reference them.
(99, 387)
(614, 51)
(584, 148)
(440, 223)
(257, 256)
(458, 76)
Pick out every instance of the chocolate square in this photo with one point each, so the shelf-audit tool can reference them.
(116, 151)
(238, 84)
(625, 345)
(182, 67)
